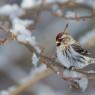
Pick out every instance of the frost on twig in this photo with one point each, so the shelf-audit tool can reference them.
(58, 7)
(23, 35)
(35, 59)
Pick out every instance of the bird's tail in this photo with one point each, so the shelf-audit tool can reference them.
(91, 61)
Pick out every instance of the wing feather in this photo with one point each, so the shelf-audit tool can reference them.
(80, 50)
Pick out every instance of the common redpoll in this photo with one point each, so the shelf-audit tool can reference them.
(69, 52)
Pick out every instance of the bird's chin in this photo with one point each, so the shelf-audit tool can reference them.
(59, 48)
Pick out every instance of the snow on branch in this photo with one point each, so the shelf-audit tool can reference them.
(23, 35)
(11, 10)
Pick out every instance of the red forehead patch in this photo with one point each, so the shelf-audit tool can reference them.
(59, 35)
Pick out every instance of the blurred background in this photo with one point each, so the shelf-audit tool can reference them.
(15, 59)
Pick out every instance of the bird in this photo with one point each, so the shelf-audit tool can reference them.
(70, 53)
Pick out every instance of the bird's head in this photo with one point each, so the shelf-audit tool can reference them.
(64, 39)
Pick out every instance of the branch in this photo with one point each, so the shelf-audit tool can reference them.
(80, 17)
(34, 80)
(50, 62)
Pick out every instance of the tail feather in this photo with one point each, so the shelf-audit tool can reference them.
(91, 61)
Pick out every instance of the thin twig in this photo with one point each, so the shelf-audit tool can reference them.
(77, 17)
(34, 80)
(50, 62)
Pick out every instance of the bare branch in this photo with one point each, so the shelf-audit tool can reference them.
(34, 80)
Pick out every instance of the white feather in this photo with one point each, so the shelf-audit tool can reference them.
(72, 58)
(62, 59)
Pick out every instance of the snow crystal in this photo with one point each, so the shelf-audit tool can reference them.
(35, 59)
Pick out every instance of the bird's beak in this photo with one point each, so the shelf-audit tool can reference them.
(57, 42)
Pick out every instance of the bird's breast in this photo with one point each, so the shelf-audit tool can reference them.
(63, 59)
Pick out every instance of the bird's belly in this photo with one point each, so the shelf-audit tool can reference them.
(69, 61)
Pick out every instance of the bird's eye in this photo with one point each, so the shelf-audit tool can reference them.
(60, 40)
(58, 44)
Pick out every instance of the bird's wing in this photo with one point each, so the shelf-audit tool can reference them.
(80, 50)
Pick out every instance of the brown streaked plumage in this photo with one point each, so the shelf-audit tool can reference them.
(71, 51)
